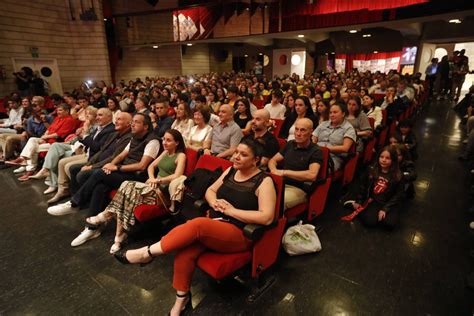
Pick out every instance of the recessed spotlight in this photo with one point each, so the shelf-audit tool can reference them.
(301, 35)
(155, 46)
(189, 44)
(246, 55)
(375, 51)
(332, 53)
(353, 31)
(105, 19)
(260, 54)
(247, 9)
(366, 35)
(455, 21)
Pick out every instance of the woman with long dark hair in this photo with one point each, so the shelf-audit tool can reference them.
(302, 109)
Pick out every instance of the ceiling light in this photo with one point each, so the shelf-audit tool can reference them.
(366, 35)
(189, 44)
(325, 53)
(301, 36)
(260, 54)
(333, 53)
(353, 31)
(375, 52)
(155, 46)
(455, 21)
(246, 55)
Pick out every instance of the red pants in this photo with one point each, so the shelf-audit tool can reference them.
(193, 238)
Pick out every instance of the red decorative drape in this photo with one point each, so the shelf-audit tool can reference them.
(196, 23)
(327, 13)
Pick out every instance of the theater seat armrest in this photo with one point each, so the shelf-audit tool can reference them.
(201, 205)
(254, 231)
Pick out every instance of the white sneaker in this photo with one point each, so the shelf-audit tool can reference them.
(85, 235)
(62, 209)
(20, 169)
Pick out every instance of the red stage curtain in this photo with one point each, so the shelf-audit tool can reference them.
(328, 13)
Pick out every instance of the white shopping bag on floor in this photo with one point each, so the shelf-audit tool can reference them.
(301, 239)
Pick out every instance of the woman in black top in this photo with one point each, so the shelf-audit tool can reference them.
(380, 192)
(242, 115)
(243, 194)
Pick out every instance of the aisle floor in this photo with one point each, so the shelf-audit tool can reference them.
(419, 269)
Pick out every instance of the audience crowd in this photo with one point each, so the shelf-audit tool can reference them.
(131, 139)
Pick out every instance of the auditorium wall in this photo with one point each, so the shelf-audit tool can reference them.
(78, 47)
(147, 61)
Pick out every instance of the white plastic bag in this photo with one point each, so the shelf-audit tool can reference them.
(301, 239)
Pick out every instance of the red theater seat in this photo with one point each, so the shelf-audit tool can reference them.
(346, 174)
(317, 200)
(278, 125)
(263, 254)
(370, 146)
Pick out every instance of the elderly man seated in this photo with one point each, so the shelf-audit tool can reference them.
(92, 143)
(226, 135)
(299, 162)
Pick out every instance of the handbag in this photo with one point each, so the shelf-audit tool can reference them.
(301, 239)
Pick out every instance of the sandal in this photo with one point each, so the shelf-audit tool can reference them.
(188, 306)
(118, 242)
(122, 257)
(98, 219)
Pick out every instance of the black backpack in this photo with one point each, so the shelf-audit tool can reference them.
(195, 189)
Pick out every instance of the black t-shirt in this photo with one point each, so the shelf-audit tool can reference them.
(270, 144)
(241, 122)
(299, 159)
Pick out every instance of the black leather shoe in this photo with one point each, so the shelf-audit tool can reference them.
(121, 257)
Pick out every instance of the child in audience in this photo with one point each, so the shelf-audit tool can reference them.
(405, 135)
(407, 168)
(380, 192)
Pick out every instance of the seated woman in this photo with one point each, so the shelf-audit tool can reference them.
(243, 194)
(170, 164)
(302, 109)
(359, 121)
(183, 121)
(408, 170)
(335, 96)
(375, 112)
(200, 135)
(380, 192)
(322, 111)
(337, 135)
(242, 116)
(114, 106)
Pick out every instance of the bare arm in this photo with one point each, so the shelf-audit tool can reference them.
(305, 175)
(273, 162)
(344, 148)
(211, 192)
(227, 153)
